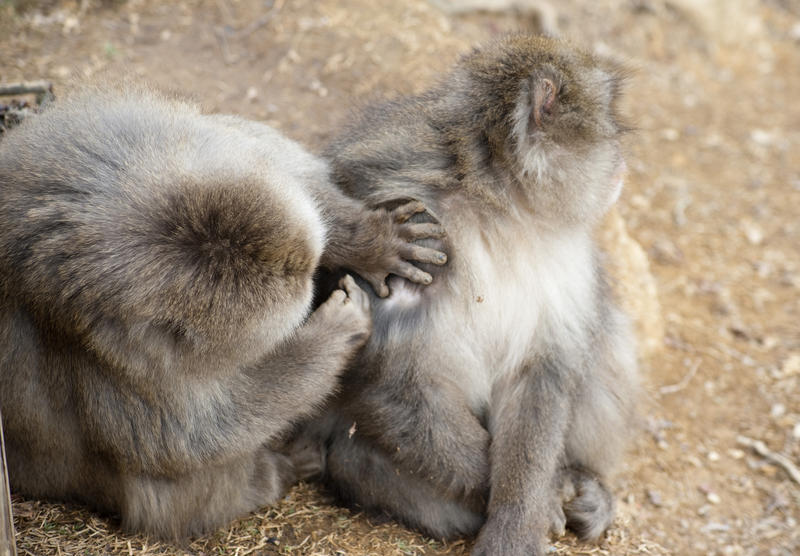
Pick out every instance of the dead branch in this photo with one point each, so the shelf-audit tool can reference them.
(42, 89)
(672, 388)
(761, 449)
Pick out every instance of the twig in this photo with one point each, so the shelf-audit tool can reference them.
(672, 388)
(761, 449)
(42, 89)
(261, 21)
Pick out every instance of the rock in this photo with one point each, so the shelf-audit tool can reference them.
(633, 283)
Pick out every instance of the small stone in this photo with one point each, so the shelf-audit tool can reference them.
(704, 509)
(713, 527)
(778, 410)
(713, 497)
(794, 32)
(670, 134)
(655, 498)
(252, 94)
(666, 252)
(71, 23)
(713, 456)
(792, 365)
(736, 453)
(761, 136)
(770, 342)
(753, 232)
(166, 35)
(796, 431)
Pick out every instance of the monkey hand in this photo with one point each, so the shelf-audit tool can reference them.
(393, 250)
(346, 313)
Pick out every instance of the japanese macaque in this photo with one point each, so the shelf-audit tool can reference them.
(156, 280)
(496, 401)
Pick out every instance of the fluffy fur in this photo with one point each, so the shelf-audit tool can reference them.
(156, 270)
(497, 401)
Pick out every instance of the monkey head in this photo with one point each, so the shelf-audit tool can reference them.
(190, 248)
(549, 113)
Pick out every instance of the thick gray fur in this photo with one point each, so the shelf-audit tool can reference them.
(156, 280)
(498, 400)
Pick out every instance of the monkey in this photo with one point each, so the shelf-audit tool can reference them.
(496, 402)
(156, 281)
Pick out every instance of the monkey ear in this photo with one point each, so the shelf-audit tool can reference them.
(543, 98)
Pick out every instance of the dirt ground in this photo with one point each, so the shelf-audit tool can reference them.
(713, 197)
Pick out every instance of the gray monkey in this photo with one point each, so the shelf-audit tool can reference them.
(156, 280)
(497, 401)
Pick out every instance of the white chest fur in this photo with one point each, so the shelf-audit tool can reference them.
(522, 291)
(511, 291)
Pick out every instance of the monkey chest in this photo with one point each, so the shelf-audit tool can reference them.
(519, 298)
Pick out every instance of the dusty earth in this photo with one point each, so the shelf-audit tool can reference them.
(713, 196)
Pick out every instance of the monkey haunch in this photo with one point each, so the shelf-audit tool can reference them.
(497, 400)
(156, 273)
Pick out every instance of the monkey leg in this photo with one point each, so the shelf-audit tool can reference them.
(528, 420)
(206, 499)
(361, 474)
(426, 427)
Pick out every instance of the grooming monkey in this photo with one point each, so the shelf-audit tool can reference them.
(156, 271)
(497, 400)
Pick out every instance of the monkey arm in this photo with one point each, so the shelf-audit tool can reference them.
(371, 243)
(530, 416)
(169, 425)
(427, 429)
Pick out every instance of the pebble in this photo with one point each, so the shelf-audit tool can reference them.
(796, 431)
(670, 134)
(655, 498)
(794, 33)
(736, 453)
(761, 136)
(792, 365)
(713, 497)
(753, 232)
(666, 252)
(778, 410)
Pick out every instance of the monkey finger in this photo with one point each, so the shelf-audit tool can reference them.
(348, 284)
(355, 292)
(378, 283)
(407, 210)
(411, 272)
(418, 253)
(337, 297)
(426, 230)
